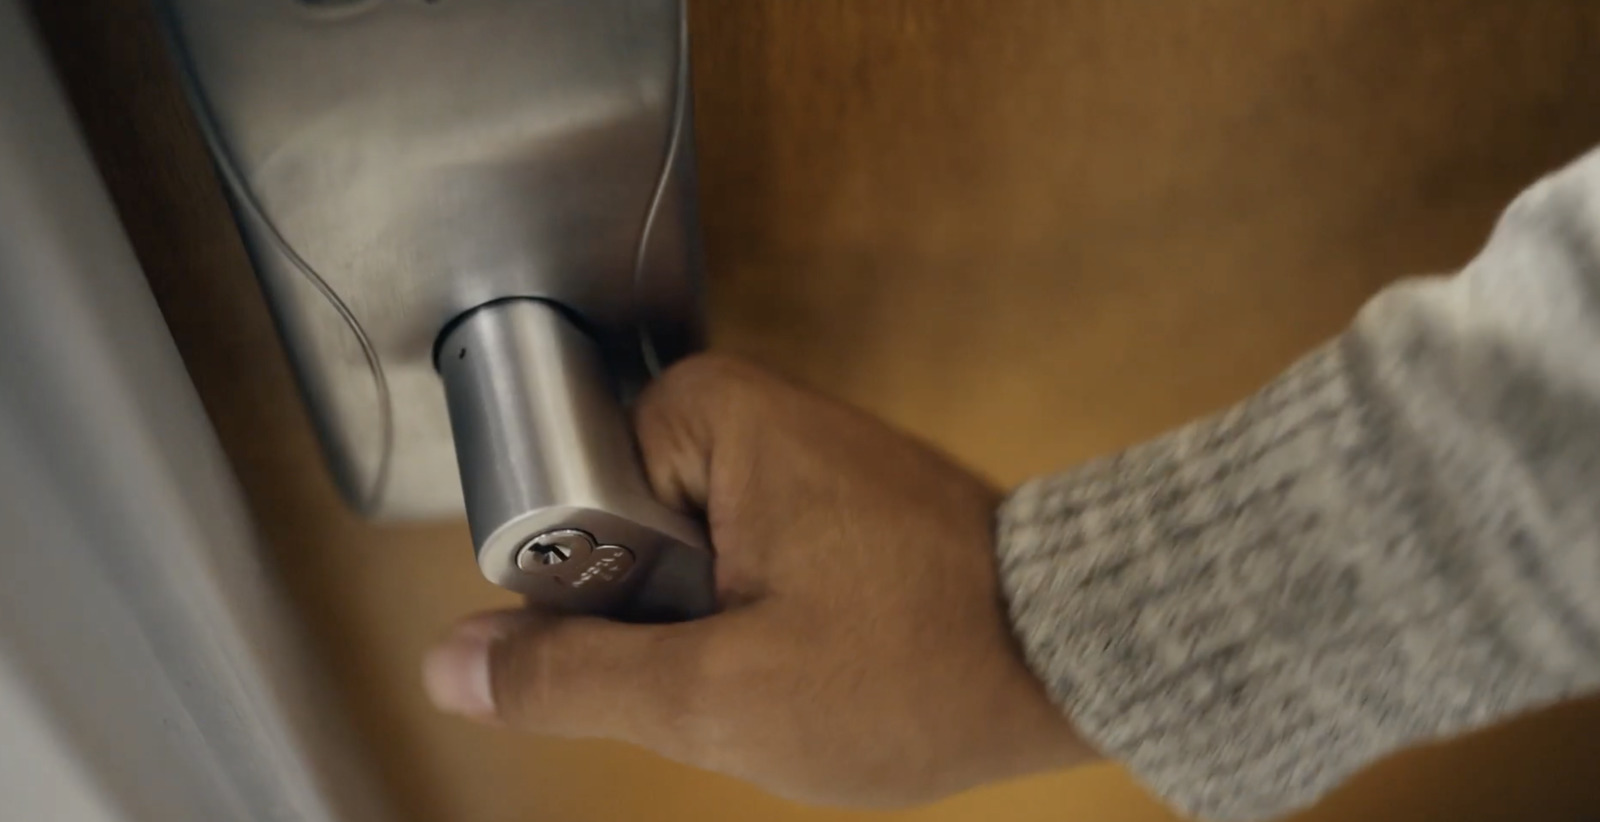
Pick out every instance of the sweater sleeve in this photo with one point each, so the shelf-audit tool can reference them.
(1395, 541)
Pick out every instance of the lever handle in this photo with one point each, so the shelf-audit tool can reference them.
(556, 499)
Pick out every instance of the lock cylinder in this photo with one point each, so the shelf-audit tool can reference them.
(556, 499)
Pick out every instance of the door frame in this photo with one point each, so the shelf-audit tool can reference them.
(150, 665)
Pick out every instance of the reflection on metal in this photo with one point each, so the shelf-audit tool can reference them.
(397, 167)
(148, 667)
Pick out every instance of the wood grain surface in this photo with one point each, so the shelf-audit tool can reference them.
(1030, 230)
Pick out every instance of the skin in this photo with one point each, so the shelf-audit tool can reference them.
(862, 657)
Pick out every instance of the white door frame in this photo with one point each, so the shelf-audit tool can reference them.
(150, 668)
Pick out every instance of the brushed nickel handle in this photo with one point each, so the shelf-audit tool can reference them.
(556, 497)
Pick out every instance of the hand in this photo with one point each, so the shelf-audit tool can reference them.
(862, 656)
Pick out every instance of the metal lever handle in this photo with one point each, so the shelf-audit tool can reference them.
(556, 499)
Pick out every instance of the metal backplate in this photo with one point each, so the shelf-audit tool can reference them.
(394, 163)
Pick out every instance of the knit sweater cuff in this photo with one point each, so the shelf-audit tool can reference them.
(1158, 595)
(1392, 542)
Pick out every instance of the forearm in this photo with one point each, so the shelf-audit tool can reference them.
(1399, 539)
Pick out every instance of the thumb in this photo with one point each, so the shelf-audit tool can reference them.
(572, 676)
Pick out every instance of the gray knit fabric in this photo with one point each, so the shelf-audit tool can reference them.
(1397, 540)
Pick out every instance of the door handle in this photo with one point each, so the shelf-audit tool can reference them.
(558, 506)
(474, 223)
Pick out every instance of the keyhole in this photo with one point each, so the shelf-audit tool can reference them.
(552, 554)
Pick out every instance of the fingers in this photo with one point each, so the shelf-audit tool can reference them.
(696, 427)
(685, 419)
(675, 451)
(574, 676)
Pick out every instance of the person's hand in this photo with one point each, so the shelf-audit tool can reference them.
(862, 656)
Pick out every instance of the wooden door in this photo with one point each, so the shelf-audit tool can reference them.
(1030, 230)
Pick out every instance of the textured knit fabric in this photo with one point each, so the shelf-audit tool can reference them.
(1395, 541)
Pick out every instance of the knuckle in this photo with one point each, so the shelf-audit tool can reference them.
(730, 685)
(522, 675)
(688, 690)
(704, 399)
(710, 378)
(694, 702)
(710, 365)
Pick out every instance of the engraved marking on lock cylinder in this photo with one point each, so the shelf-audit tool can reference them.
(610, 564)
